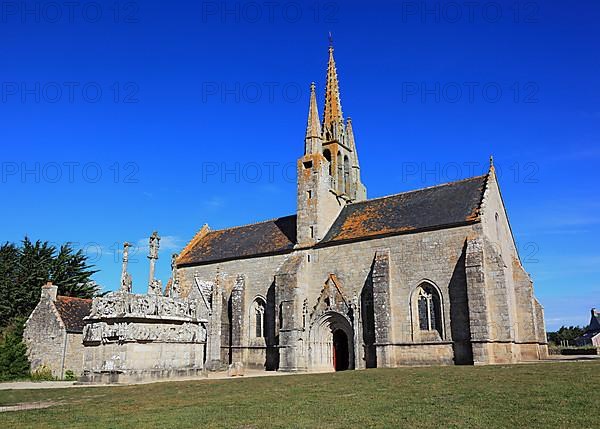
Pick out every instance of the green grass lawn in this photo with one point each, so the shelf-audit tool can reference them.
(537, 395)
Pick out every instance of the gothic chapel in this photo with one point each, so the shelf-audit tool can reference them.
(430, 276)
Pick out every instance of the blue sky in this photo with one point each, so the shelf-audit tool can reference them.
(120, 118)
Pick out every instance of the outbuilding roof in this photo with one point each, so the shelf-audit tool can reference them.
(72, 311)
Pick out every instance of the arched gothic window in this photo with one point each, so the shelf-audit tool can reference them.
(346, 175)
(429, 307)
(327, 155)
(340, 172)
(258, 310)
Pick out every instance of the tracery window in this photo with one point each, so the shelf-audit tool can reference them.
(429, 306)
(259, 318)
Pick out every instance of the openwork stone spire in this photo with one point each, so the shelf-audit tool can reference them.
(333, 120)
(313, 126)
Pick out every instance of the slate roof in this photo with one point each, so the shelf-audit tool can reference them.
(587, 337)
(72, 311)
(451, 204)
(269, 237)
(442, 206)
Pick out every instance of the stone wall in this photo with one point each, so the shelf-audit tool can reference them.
(46, 338)
(515, 314)
(436, 256)
(488, 311)
(74, 354)
(259, 275)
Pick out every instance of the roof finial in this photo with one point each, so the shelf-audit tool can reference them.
(330, 41)
(491, 161)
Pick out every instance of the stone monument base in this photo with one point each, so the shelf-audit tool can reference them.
(136, 362)
(127, 377)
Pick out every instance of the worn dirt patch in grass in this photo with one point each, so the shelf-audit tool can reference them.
(26, 406)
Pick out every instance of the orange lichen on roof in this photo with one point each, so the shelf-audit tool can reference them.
(438, 206)
(357, 224)
(442, 206)
(190, 246)
(273, 236)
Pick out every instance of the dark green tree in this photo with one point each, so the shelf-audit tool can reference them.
(9, 261)
(566, 333)
(13, 352)
(24, 269)
(71, 272)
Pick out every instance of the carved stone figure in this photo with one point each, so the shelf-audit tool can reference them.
(126, 280)
(153, 248)
(175, 290)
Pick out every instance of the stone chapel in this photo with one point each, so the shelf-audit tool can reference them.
(430, 276)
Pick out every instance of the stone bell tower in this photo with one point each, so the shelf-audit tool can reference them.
(328, 173)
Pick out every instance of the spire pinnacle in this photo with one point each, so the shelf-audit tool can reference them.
(351, 142)
(333, 120)
(313, 126)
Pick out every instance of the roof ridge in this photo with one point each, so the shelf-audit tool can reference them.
(251, 224)
(419, 190)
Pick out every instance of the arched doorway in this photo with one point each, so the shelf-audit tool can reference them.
(331, 343)
(341, 356)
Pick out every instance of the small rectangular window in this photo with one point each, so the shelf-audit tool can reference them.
(307, 164)
(312, 232)
(309, 194)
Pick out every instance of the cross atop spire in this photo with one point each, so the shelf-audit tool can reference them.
(333, 120)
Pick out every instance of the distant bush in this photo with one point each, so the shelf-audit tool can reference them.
(70, 376)
(579, 351)
(554, 349)
(43, 373)
(14, 364)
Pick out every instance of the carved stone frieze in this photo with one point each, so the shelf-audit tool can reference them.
(124, 305)
(125, 332)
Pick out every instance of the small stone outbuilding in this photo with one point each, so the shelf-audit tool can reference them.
(54, 332)
(591, 337)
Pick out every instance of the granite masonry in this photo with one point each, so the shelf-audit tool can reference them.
(430, 276)
(131, 337)
(54, 331)
(427, 277)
